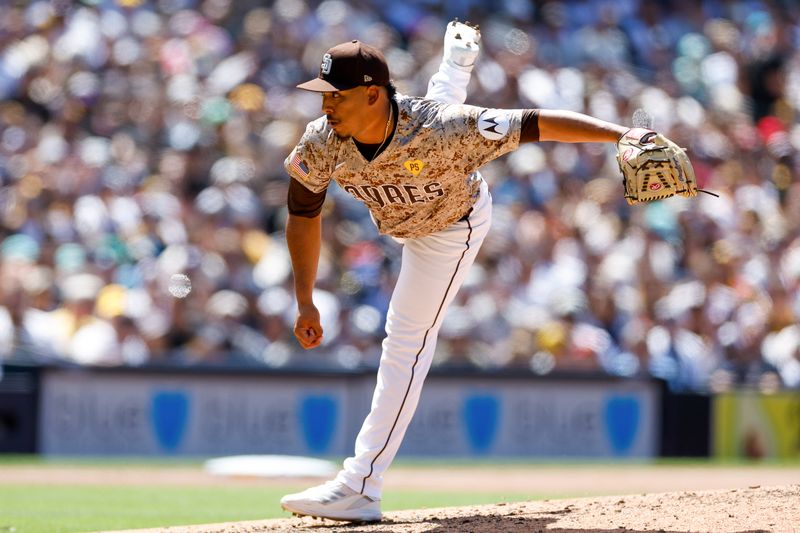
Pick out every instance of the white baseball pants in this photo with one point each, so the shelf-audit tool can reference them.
(432, 270)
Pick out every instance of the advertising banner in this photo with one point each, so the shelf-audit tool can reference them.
(755, 426)
(109, 413)
(135, 413)
(536, 418)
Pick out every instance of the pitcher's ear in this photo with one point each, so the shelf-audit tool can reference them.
(373, 93)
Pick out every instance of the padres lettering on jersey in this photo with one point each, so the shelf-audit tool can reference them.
(425, 178)
(396, 194)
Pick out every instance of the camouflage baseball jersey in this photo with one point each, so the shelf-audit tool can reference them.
(426, 177)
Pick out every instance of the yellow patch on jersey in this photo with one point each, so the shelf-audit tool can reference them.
(414, 166)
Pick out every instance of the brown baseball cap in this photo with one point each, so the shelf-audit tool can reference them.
(349, 65)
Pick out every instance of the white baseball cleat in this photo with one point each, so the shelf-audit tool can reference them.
(333, 500)
(461, 44)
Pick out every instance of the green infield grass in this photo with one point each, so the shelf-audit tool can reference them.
(51, 509)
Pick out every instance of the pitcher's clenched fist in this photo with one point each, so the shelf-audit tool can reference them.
(307, 327)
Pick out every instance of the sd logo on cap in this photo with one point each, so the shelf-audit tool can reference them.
(349, 65)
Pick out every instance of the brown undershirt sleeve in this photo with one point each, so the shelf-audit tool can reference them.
(530, 126)
(302, 202)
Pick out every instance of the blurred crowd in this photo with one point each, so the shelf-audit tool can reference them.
(144, 140)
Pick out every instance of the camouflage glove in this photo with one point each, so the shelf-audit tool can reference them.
(653, 167)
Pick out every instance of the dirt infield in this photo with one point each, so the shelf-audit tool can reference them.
(751, 510)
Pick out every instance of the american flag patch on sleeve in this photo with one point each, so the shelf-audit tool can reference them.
(298, 166)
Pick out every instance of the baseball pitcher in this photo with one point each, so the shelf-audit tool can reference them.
(414, 163)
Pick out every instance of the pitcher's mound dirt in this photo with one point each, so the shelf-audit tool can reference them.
(753, 510)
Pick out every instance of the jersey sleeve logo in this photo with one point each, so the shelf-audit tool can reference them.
(414, 166)
(493, 124)
(299, 166)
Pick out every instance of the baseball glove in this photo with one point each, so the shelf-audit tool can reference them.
(653, 167)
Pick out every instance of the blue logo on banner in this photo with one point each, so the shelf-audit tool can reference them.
(318, 420)
(481, 418)
(621, 417)
(169, 413)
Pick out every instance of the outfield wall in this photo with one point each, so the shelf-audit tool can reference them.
(169, 411)
(123, 412)
(19, 409)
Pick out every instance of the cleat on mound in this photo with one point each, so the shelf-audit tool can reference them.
(335, 501)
